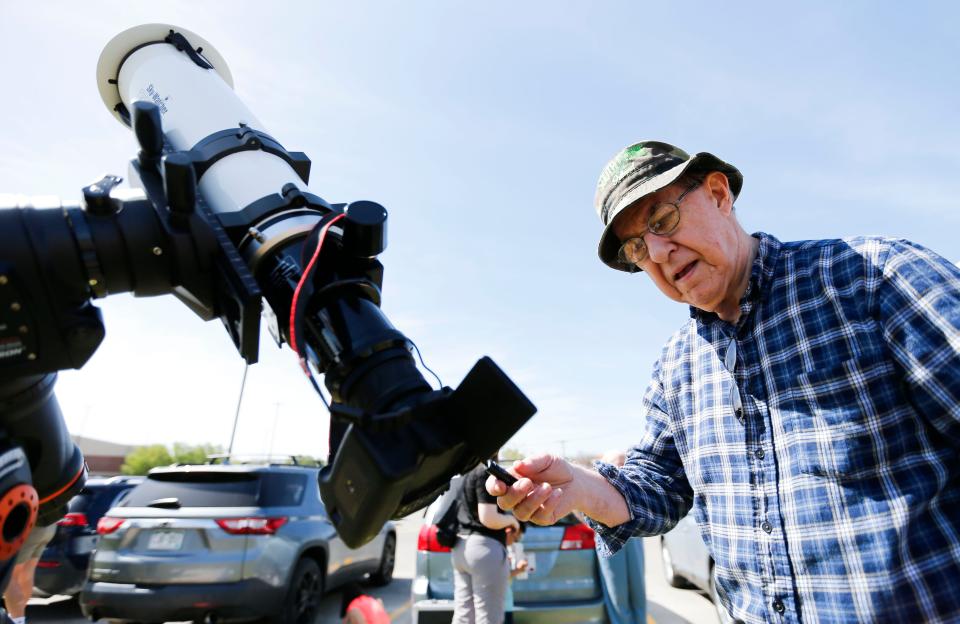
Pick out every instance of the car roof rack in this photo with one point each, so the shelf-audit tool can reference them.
(125, 478)
(227, 459)
(113, 479)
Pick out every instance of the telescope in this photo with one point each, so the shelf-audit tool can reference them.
(222, 217)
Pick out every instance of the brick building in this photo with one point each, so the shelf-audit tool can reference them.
(103, 458)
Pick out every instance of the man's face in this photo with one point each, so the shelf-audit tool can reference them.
(702, 262)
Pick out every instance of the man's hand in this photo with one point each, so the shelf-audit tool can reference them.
(543, 493)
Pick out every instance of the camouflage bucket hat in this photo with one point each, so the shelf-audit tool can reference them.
(641, 169)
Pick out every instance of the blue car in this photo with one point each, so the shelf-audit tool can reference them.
(62, 568)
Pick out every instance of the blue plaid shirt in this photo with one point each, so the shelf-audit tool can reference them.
(816, 440)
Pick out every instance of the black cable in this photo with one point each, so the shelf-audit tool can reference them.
(424, 364)
(316, 386)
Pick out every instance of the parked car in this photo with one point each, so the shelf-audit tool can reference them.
(63, 565)
(564, 585)
(225, 542)
(687, 563)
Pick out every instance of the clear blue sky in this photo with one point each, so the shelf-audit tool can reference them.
(482, 128)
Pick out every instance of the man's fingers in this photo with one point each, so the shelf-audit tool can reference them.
(538, 503)
(495, 487)
(526, 497)
(531, 466)
(511, 495)
(529, 505)
(552, 509)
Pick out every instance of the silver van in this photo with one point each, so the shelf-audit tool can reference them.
(563, 585)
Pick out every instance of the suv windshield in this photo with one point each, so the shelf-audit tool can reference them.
(220, 489)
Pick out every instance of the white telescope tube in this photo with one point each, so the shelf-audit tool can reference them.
(194, 103)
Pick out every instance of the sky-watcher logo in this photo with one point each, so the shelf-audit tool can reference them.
(159, 101)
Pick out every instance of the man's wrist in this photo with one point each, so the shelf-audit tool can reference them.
(596, 497)
(584, 489)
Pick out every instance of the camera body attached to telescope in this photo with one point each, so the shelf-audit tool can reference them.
(226, 222)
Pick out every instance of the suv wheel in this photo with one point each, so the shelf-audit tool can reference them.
(384, 573)
(303, 594)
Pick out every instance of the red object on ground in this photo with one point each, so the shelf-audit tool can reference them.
(371, 609)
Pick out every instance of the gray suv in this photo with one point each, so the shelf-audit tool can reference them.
(223, 543)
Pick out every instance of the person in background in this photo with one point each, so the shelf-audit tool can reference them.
(481, 571)
(519, 565)
(622, 574)
(20, 588)
(806, 411)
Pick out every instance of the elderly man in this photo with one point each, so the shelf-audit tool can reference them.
(808, 412)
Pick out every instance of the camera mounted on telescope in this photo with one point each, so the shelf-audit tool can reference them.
(227, 224)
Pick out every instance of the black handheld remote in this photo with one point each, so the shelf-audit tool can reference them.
(500, 472)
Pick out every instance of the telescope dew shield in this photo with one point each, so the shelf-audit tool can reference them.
(195, 103)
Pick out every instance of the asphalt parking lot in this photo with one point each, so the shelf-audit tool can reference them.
(666, 605)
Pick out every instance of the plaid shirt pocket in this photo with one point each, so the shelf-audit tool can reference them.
(840, 415)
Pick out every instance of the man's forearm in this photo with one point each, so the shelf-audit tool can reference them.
(597, 498)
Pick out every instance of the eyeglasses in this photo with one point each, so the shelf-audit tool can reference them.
(730, 363)
(663, 221)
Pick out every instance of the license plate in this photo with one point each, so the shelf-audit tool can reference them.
(165, 540)
(85, 544)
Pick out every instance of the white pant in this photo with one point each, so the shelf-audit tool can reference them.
(481, 573)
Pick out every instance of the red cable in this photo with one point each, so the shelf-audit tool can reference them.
(303, 279)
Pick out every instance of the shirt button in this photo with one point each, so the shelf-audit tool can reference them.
(778, 606)
(759, 453)
(766, 526)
